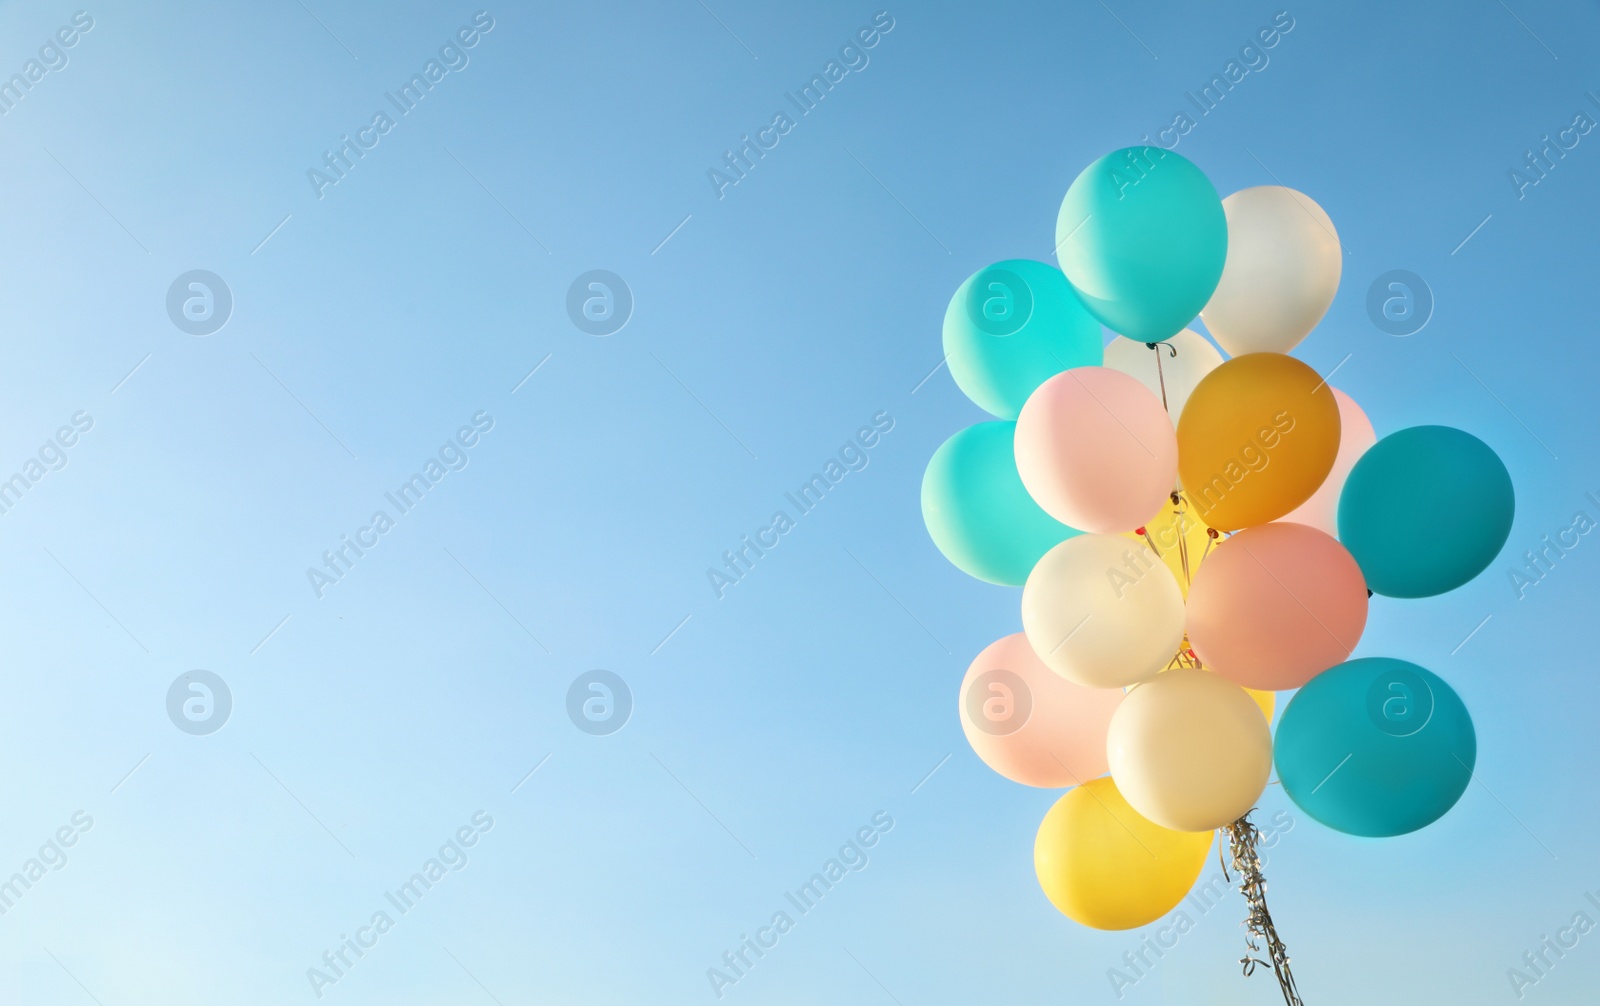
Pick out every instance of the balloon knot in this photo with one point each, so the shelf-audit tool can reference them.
(1140, 531)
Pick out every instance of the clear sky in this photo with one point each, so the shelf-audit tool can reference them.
(382, 715)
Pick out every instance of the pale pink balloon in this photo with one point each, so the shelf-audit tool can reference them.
(1275, 605)
(1321, 511)
(1029, 723)
(1096, 450)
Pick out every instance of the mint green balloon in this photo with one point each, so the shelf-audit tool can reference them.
(977, 511)
(1142, 238)
(1011, 327)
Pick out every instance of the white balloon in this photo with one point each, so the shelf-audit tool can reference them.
(1184, 360)
(1190, 750)
(1321, 511)
(1101, 610)
(1280, 275)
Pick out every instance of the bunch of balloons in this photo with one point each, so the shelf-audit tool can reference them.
(1193, 534)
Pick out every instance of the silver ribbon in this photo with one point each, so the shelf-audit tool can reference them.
(1243, 837)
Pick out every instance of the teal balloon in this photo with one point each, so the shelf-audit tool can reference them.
(1142, 237)
(1425, 510)
(977, 511)
(1011, 327)
(1375, 747)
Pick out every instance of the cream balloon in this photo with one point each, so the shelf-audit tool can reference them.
(1183, 360)
(1321, 511)
(1190, 750)
(1101, 611)
(1280, 275)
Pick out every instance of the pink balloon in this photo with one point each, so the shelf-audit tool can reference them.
(1096, 450)
(1029, 723)
(1275, 605)
(1321, 511)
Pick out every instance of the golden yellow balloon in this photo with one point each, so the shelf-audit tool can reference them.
(1178, 537)
(1256, 438)
(1104, 866)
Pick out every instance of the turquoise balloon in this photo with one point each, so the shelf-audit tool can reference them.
(1425, 510)
(977, 511)
(1011, 327)
(1375, 747)
(1142, 237)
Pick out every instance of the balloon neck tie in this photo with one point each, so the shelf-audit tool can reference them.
(1243, 836)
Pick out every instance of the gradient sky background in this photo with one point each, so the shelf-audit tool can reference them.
(821, 689)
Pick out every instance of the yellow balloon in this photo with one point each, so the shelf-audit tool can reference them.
(1266, 700)
(1256, 439)
(1104, 866)
(1179, 537)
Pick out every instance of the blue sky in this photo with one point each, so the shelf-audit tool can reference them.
(370, 322)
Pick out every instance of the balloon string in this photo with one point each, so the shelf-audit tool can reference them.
(1183, 534)
(1243, 837)
(1156, 347)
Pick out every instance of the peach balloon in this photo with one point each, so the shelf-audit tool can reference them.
(1321, 511)
(1096, 450)
(1276, 605)
(1030, 724)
